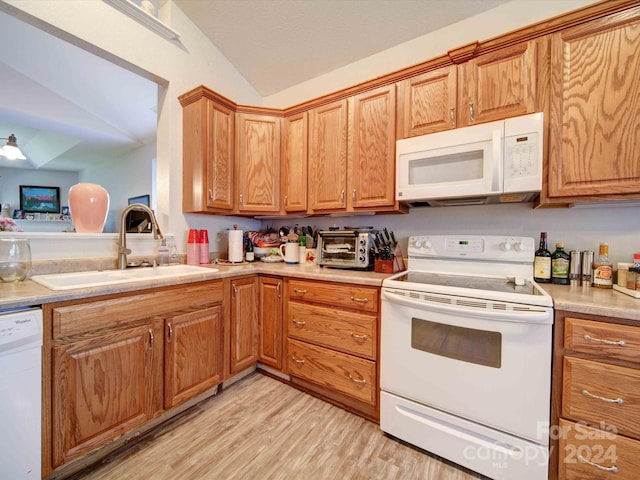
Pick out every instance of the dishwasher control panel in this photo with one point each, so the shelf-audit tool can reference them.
(19, 328)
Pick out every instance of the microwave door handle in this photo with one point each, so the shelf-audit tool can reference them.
(542, 316)
(497, 157)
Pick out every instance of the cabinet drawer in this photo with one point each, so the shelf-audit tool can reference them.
(611, 456)
(596, 392)
(343, 295)
(122, 311)
(621, 342)
(336, 371)
(346, 331)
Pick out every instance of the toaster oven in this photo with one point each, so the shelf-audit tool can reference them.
(349, 249)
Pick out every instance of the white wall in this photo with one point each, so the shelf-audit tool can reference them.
(11, 178)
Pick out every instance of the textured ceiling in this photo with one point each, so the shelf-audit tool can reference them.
(276, 44)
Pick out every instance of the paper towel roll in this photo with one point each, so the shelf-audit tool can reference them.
(236, 246)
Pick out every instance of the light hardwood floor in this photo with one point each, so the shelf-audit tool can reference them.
(260, 428)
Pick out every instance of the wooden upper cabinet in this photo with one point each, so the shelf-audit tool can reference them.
(595, 105)
(372, 149)
(428, 102)
(294, 162)
(328, 156)
(258, 163)
(207, 152)
(502, 84)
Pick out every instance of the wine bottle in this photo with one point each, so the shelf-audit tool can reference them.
(542, 261)
(560, 265)
(248, 253)
(603, 268)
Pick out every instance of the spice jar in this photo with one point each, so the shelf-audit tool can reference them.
(632, 278)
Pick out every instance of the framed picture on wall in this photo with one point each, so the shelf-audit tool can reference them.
(143, 199)
(35, 199)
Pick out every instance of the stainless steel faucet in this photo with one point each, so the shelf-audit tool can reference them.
(123, 251)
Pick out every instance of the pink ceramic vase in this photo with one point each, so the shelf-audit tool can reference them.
(89, 205)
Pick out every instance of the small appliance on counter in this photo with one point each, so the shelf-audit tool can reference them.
(349, 249)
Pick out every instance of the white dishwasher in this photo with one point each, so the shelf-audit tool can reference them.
(21, 393)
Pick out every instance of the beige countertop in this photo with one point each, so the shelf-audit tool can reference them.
(590, 300)
(30, 293)
(594, 301)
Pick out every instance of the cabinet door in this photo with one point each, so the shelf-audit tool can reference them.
(270, 339)
(102, 388)
(258, 163)
(500, 84)
(328, 156)
(428, 102)
(373, 148)
(208, 142)
(595, 100)
(294, 163)
(192, 354)
(244, 324)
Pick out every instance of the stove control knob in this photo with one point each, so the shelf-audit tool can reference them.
(417, 244)
(428, 245)
(505, 246)
(518, 246)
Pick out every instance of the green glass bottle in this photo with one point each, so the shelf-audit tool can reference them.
(560, 265)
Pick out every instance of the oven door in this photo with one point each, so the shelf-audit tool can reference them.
(489, 362)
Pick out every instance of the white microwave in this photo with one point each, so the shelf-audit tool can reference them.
(487, 163)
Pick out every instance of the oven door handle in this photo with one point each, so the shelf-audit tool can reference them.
(542, 316)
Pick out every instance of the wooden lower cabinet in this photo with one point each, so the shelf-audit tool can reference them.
(192, 354)
(103, 387)
(120, 363)
(243, 349)
(270, 318)
(332, 342)
(596, 398)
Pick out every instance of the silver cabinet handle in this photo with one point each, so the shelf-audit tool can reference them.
(358, 337)
(241, 199)
(361, 300)
(353, 195)
(235, 290)
(298, 322)
(169, 332)
(620, 343)
(151, 339)
(297, 360)
(356, 380)
(342, 197)
(613, 469)
(452, 116)
(299, 290)
(210, 194)
(286, 200)
(278, 289)
(472, 114)
(619, 401)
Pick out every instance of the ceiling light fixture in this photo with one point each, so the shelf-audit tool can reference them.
(11, 150)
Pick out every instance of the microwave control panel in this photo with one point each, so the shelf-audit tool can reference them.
(521, 154)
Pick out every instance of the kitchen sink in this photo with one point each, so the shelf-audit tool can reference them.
(98, 278)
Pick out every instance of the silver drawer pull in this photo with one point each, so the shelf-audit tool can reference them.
(299, 290)
(359, 337)
(299, 322)
(297, 360)
(620, 343)
(361, 300)
(355, 380)
(581, 459)
(619, 401)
